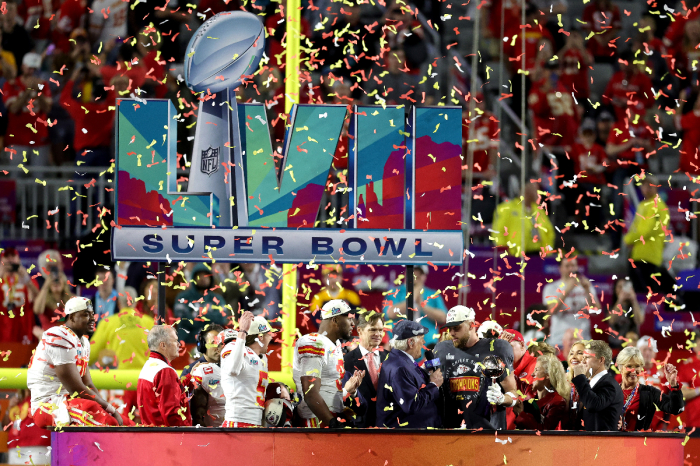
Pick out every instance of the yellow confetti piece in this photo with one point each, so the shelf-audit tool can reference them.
(30, 126)
(40, 181)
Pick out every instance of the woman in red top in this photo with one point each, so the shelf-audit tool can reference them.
(553, 394)
(641, 401)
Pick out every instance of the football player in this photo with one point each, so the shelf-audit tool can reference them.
(208, 401)
(58, 376)
(319, 368)
(244, 372)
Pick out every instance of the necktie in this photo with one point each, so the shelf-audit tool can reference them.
(372, 368)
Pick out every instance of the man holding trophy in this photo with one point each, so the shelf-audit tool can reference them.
(479, 372)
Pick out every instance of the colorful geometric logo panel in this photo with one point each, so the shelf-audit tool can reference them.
(380, 183)
(147, 193)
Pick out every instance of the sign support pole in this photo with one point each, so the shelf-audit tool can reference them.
(161, 292)
(289, 276)
(409, 292)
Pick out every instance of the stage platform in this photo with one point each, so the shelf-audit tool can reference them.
(359, 447)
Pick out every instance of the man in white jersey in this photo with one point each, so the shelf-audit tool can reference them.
(108, 20)
(59, 378)
(244, 372)
(208, 402)
(319, 368)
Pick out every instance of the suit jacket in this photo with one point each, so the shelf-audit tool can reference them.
(406, 397)
(651, 397)
(600, 407)
(355, 362)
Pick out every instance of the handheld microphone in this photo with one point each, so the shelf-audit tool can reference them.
(431, 362)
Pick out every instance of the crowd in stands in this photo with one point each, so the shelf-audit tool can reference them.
(63, 64)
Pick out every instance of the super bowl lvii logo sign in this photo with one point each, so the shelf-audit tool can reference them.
(244, 203)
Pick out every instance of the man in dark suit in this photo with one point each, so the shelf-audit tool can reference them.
(406, 394)
(600, 396)
(368, 357)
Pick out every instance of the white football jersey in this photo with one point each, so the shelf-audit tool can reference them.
(208, 376)
(317, 356)
(108, 20)
(244, 381)
(59, 345)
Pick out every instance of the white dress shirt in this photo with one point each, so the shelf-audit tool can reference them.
(412, 358)
(594, 380)
(375, 355)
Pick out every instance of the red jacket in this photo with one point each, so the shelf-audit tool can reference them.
(523, 377)
(160, 397)
(553, 410)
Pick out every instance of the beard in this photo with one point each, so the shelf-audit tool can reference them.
(461, 343)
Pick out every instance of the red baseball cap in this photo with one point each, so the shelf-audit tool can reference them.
(517, 336)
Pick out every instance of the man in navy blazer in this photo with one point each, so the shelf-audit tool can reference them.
(406, 394)
(600, 396)
(367, 357)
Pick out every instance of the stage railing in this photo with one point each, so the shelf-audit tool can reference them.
(118, 379)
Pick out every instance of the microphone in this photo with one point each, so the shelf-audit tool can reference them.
(431, 362)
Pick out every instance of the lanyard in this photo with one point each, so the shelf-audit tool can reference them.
(627, 405)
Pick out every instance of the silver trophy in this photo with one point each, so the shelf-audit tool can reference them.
(224, 51)
(494, 367)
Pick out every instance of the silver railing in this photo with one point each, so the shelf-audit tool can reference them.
(59, 207)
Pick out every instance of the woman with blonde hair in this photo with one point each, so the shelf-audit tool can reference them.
(552, 388)
(574, 358)
(642, 401)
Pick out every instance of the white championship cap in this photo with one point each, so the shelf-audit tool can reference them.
(259, 326)
(458, 314)
(77, 304)
(335, 307)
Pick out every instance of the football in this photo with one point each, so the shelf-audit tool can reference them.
(225, 48)
(278, 413)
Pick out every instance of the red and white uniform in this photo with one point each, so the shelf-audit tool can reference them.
(160, 397)
(16, 315)
(59, 345)
(244, 380)
(317, 356)
(51, 404)
(554, 115)
(108, 20)
(208, 376)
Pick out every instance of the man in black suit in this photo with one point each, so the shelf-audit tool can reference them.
(370, 328)
(600, 396)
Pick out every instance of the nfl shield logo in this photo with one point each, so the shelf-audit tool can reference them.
(210, 160)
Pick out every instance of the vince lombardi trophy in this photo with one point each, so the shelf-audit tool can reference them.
(224, 51)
